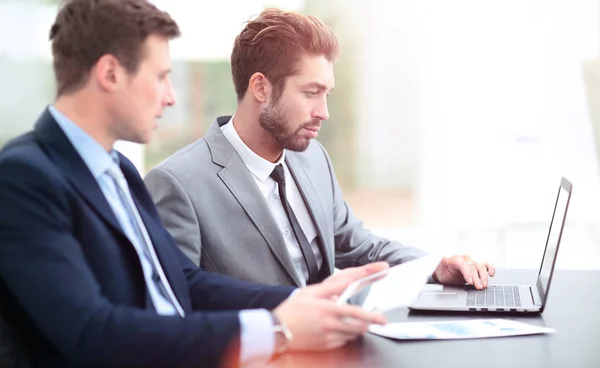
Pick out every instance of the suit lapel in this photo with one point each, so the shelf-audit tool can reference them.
(314, 206)
(238, 180)
(66, 158)
(158, 240)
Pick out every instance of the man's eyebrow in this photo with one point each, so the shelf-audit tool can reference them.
(317, 85)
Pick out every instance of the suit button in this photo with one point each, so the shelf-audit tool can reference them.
(276, 196)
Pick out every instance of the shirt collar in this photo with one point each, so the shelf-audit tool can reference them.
(257, 165)
(93, 154)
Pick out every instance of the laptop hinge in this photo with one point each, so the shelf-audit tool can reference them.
(535, 296)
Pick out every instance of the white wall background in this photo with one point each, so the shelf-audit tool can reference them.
(480, 107)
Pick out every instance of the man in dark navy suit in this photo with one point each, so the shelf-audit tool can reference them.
(88, 274)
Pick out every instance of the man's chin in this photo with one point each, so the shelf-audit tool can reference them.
(300, 145)
(140, 139)
(146, 139)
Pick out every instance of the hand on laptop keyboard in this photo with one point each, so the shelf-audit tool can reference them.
(457, 270)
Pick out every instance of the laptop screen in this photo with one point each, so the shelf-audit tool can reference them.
(554, 235)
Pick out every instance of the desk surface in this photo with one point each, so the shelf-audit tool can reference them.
(576, 342)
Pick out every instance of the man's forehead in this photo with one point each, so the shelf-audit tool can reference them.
(316, 70)
(156, 47)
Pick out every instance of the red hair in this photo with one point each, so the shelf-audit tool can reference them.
(273, 43)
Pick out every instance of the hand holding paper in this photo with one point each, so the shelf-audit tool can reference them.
(395, 287)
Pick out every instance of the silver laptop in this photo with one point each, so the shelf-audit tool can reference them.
(506, 298)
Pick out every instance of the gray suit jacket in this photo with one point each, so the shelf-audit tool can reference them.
(208, 200)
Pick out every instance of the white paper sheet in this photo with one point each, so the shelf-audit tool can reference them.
(461, 329)
(395, 287)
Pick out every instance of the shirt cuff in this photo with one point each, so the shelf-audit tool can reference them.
(257, 340)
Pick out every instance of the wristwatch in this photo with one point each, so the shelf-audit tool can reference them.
(283, 336)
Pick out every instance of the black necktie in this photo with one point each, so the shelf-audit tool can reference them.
(307, 252)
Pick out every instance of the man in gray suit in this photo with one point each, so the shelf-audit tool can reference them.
(257, 197)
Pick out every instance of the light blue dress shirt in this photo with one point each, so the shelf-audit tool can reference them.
(257, 337)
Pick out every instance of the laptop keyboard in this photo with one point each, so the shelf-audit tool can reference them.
(499, 296)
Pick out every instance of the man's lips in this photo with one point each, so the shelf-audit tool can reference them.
(313, 128)
(312, 131)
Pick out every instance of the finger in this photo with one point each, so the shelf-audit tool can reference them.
(475, 275)
(375, 267)
(336, 340)
(483, 274)
(336, 284)
(361, 315)
(329, 289)
(356, 273)
(465, 270)
(349, 326)
(491, 269)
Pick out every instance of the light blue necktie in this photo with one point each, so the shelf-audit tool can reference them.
(158, 275)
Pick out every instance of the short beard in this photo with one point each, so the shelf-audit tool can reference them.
(274, 121)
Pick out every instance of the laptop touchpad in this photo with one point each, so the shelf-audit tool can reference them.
(433, 297)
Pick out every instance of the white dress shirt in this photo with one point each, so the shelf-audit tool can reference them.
(261, 170)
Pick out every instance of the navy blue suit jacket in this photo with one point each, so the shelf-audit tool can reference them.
(71, 282)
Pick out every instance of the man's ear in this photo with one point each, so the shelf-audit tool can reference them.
(108, 73)
(260, 87)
